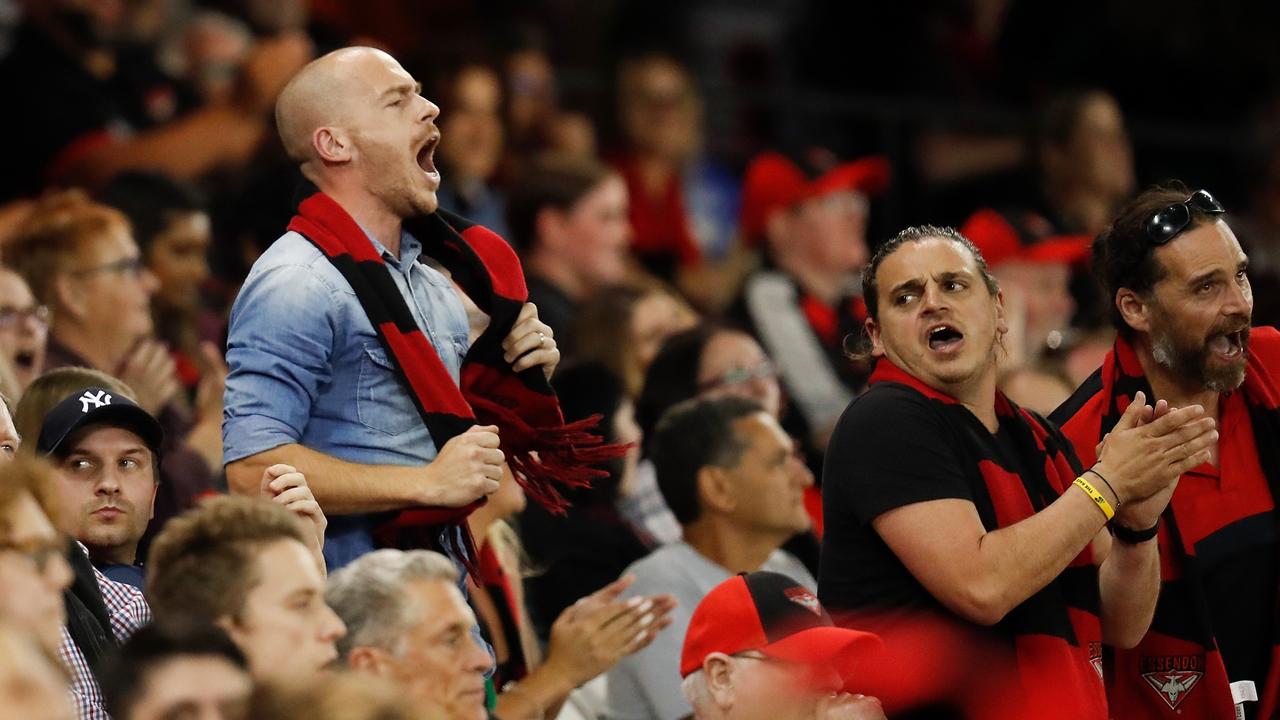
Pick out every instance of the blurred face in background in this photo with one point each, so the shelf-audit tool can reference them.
(656, 317)
(179, 258)
(1097, 156)
(661, 115)
(832, 231)
(33, 572)
(24, 328)
(108, 288)
(472, 127)
(733, 363)
(593, 236)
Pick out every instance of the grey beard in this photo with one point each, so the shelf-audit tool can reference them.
(1195, 367)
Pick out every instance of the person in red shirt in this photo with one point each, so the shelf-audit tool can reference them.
(1181, 302)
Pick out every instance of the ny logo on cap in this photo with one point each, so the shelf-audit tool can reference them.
(97, 399)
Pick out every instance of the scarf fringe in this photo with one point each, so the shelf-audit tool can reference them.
(542, 457)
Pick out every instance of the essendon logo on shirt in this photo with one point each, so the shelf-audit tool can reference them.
(1172, 676)
(1095, 656)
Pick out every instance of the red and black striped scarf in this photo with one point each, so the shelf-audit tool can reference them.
(1186, 656)
(542, 450)
(1056, 633)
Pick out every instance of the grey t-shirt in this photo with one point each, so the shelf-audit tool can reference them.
(646, 685)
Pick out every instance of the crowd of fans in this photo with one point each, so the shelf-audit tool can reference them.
(225, 493)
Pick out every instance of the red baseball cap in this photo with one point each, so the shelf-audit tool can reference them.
(773, 182)
(999, 241)
(774, 615)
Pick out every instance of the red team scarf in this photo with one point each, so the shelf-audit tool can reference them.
(1056, 633)
(1177, 670)
(542, 450)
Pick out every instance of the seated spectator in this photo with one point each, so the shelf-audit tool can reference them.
(1082, 173)
(624, 326)
(407, 622)
(586, 639)
(32, 686)
(24, 329)
(127, 113)
(589, 546)
(106, 451)
(732, 478)
(761, 646)
(704, 361)
(33, 570)
(80, 259)
(173, 232)
(568, 219)
(1034, 274)
(169, 671)
(471, 146)
(338, 696)
(252, 568)
(98, 613)
(683, 205)
(812, 223)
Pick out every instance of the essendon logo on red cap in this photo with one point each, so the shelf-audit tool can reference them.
(804, 599)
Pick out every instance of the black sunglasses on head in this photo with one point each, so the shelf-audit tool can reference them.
(1165, 224)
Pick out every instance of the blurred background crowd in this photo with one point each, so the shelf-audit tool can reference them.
(693, 187)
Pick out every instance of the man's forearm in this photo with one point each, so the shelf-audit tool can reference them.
(340, 487)
(1129, 584)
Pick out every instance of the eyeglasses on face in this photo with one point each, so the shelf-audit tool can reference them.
(1164, 225)
(130, 266)
(740, 375)
(13, 316)
(41, 554)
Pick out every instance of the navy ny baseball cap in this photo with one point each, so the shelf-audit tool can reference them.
(96, 406)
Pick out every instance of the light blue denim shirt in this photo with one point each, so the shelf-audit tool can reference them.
(307, 368)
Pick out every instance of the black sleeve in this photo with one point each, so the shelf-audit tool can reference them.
(891, 448)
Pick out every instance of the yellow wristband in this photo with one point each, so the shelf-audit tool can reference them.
(1097, 497)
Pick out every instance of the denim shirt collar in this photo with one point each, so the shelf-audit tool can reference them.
(410, 249)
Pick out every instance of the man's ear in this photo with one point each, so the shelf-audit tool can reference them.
(718, 669)
(1135, 311)
(367, 659)
(873, 332)
(331, 145)
(1002, 319)
(716, 489)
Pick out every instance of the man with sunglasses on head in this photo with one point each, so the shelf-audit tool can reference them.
(1179, 297)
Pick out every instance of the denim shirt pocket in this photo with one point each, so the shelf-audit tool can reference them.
(382, 399)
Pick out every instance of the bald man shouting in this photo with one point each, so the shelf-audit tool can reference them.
(347, 344)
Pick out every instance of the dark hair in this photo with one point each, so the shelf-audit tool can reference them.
(1123, 255)
(692, 435)
(552, 180)
(124, 674)
(673, 375)
(916, 233)
(150, 200)
(586, 389)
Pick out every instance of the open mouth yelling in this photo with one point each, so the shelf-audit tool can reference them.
(944, 338)
(1230, 345)
(426, 157)
(25, 360)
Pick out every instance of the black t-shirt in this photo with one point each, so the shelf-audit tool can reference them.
(895, 447)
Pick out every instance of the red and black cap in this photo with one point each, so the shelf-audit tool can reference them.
(774, 181)
(96, 406)
(772, 614)
(1002, 237)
